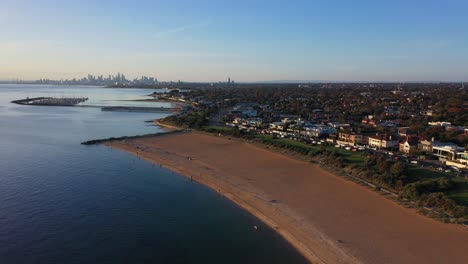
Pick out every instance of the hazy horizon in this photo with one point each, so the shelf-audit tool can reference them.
(209, 41)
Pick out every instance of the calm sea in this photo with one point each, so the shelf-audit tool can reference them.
(61, 202)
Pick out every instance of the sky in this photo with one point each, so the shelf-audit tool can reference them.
(247, 40)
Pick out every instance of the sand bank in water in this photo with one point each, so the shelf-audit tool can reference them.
(328, 219)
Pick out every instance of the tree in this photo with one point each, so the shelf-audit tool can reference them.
(397, 169)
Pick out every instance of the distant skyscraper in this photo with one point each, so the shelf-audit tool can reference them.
(229, 80)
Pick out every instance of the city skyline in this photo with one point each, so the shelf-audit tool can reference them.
(209, 41)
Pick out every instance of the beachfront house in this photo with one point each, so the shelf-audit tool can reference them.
(383, 141)
(426, 145)
(278, 126)
(319, 131)
(462, 159)
(350, 139)
(409, 144)
(445, 150)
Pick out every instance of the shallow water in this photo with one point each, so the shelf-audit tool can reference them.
(62, 202)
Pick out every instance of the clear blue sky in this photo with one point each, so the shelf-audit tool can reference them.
(197, 40)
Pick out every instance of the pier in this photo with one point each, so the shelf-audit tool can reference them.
(139, 109)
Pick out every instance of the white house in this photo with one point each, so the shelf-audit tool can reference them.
(446, 150)
(319, 130)
(383, 142)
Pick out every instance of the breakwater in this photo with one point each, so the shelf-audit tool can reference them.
(100, 141)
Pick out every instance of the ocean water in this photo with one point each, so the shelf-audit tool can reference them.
(62, 202)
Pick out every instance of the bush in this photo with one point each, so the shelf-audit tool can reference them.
(416, 189)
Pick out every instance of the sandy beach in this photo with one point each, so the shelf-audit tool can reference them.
(327, 218)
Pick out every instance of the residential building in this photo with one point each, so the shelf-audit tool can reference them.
(445, 150)
(426, 145)
(277, 126)
(444, 124)
(319, 131)
(462, 159)
(350, 138)
(383, 142)
(409, 144)
(403, 131)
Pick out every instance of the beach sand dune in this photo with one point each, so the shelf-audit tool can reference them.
(327, 218)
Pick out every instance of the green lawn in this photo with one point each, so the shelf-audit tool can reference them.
(349, 156)
(215, 129)
(417, 173)
(293, 142)
(264, 137)
(461, 194)
(355, 158)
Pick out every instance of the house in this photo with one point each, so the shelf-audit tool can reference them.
(388, 124)
(462, 158)
(445, 150)
(426, 145)
(350, 138)
(246, 110)
(409, 144)
(403, 131)
(444, 124)
(369, 120)
(319, 131)
(255, 122)
(338, 125)
(383, 141)
(428, 113)
(277, 126)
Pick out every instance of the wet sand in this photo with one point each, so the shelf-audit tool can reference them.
(327, 218)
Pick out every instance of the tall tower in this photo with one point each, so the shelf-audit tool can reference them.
(229, 80)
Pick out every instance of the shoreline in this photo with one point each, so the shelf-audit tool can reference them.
(291, 239)
(230, 194)
(166, 126)
(199, 156)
